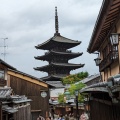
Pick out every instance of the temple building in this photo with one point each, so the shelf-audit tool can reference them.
(58, 56)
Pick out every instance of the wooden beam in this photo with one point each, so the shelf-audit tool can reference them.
(103, 101)
(35, 110)
(29, 79)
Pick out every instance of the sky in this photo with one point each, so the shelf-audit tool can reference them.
(27, 23)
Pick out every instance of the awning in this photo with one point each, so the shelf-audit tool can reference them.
(94, 89)
(8, 109)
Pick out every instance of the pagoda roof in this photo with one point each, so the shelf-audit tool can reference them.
(53, 42)
(48, 55)
(57, 84)
(60, 65)
(52, 78)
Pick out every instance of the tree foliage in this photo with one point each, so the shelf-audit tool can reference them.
(75, 84)
(70, 79)
(61, 98)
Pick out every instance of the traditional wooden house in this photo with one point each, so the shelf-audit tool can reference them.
(14, 107)
(24, 84)
(33, 88)
(11, 106)
(3, 72)
(104, 97)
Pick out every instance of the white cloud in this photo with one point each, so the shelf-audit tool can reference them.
(28, 23)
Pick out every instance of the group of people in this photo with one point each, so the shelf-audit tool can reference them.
(71, 116)
(83, 116)
(66, 117)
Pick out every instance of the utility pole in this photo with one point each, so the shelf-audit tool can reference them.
(4, 46)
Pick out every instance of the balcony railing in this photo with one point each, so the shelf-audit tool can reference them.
(106, 62)
(3, 82)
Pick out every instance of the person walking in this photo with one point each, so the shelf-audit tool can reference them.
(84, 116)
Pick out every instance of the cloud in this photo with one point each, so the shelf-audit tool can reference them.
(28, 23)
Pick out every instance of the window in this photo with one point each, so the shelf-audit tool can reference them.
(2, 74)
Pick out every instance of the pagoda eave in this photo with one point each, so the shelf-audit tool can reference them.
(52, 78)
(57, 84)
(60, 66)
(58, 41)
(49, 55)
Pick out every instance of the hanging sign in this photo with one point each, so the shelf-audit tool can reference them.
(43, 94)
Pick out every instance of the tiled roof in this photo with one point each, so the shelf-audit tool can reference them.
(48, 55)
(64, 39)
(16, 71)
(74, 66)
(6, 64)
(9, 109)
(57, 39)
(57, 84)
(53, 77)
(5, 92)
(89, 78)
(6, 97)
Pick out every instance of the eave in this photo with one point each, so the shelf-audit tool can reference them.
(49, 55)
(52, 78)
(53, 42)
(27, 77)
(69, 66)
(6, 64)
(108, 16)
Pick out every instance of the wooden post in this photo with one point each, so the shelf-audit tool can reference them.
(0, 110)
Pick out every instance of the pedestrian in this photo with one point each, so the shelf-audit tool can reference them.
(84, 116)
(71, 117)
(66, 117)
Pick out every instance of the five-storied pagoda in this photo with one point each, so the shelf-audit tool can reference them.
(57, 56)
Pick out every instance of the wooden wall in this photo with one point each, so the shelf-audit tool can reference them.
(23, 113)
(32, 91)
(102, 111)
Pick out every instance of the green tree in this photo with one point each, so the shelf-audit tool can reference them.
(61, 98)
(70, 79)
(75, 84)
(74, 87)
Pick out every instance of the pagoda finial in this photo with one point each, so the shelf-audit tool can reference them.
(56, 23)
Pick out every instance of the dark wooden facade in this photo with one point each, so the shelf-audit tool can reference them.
(102, 110)
(32, 88)
(106, 106)
(3, 72)
(24, 113)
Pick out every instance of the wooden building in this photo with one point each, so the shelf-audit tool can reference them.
(107, 27)
(33, 88)
(104, 97)
(11, 105)
(58, 56)
(30, 86)
(3, 72)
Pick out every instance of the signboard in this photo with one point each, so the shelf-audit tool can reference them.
(43, 94)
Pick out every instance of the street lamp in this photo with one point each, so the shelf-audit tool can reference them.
(76, 95)
(97, 61)
(114, 38)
